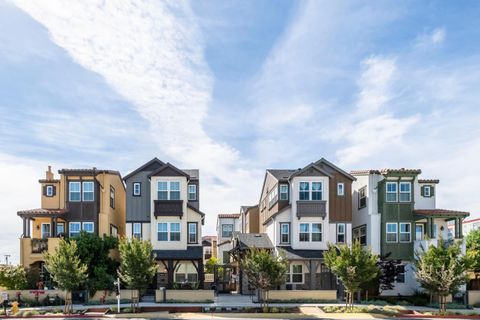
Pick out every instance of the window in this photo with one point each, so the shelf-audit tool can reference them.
(192, 192)
(362, 198)
(114, 231)
(74, 229)
(74, 191)
(137, 189)
(304, 193)
(226, 257)
(419, 234)
(392, 232)
(283, 192)
(46, 230)
(112, 197)
(168, 190)
(360, 234)
(174, 190)
(60, 229)
(162, 190)
(426, 191)
(137, 230)
(284, 232)
(340, 189)
(405, 191)
(87, 188)
(49, 191)
(272, 197)
(316, 232)
(391, 191)
(400, 278)
(295, 273)
(304, 234)
(316, 191)
(192, 232)
(88, 227)
(341, 233)
(227, 230)
(405, 232)
(162, 231)
(174, 231)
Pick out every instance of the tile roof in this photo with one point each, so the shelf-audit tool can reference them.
(385, 171)
(41, 211)
(440, 212)
(251, 240)
(229, 215)
(428, 181)
(88, 171)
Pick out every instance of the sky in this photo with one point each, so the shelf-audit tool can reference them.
(235, 87)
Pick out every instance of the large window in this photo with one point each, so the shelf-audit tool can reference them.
(341, 233)
(112, 197)
(168, 190)
(391, 191)
(304, 193)
(317, 232)
(227, 230)
(295, 273)
(192, 192)
(74, 191)
(174, 231)
(87, 188)
(162, 190)
(74, 229)
(162, 231)
(362, 198)
(304, 234)
(174, 190)
(137, 189)
(283, 192)
(316, 191)
(284, 232)
(88, 227)
(392, 232)
(405, 191)
(360, 234)
(192, 232)
(340, 189)
(137, 230)
(46, 230)
(405, 232)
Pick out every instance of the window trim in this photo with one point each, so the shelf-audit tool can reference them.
(320, 233)
(224, 225)
(425, 188)
(400, 191)
(169, 189)
(70, 228)
(280, 193)
(49, 232)
(290, 274)
(358, 230)
(49, 191)
(387, 233)
(344, 233)
(92, 192)
(141, 230)
(166, 231)
(188, 232)
(320, 191)
(400, 232)
(171, 232)
(194, 193)
(300, 232)
(88, 223)
(70, 183)
(281, 232)
(395, 183)
(341, 194)
(139, 194)
(307, 191)
(56, 228)
(364, 189)
(112, 200)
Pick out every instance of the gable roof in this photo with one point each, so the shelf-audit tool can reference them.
(281, 174)
(331, 165)
(142, 167)
(193, 173)
(384, 171)
(168, 165)
(251, 240)
(311, 165)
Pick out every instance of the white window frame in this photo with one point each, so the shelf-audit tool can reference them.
(84, 192)
(344, 233)
(169, 189)
(225, 225)
(306, 191)
(283, 192)
(320, 233)
(172, 232)
(137, 191)
(138, 232)
(114, 231)
(112, 197)
(422, 235)
(194, 193)
(340, 189)
(88, 223)
(409, 184)
(163, 231)
(56, 228)
(390, 192)
(290, 274)
(49, 232)
(320, 191)
(70, 228)
(190, 233)
(283, 233)
(70, 184)
(425, 193)
(400, 232)
(307, 232)
(49, 191)
(387, 232)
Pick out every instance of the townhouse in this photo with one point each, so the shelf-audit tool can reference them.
(209, 244)
(91, 200)
(227, 225)
(395, 213)
(163, 207)
(249, 219)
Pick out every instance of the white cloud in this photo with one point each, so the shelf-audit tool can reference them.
(427, 39)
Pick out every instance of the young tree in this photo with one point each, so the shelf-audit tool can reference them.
(473, 251)
(441, 270)
(264, 270)
(137, 265)
(13, 277)
(388, 272)
(353, 265)
(66, 269)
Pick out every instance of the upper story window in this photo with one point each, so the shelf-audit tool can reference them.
(272, 197)
(162, 231)
(88, 227)
(391, 188)
(284, 232)
(405, 191)
(405, 232)
(341, 233)
(112, 197)
(316, 232)
(304, 234)
(163, 234)
(168, 190)
(360, 234)
(137, 189)
(46, 230)
(74, 229)
(316, 191)
(192, 232)
(284, 192)
(87, 190)
(427, 191)
(227, 230)
(74, 191)
(137, 230)
(174, 231)
(304, 193)
(362, 197)
(192, 192)
(49, 191)
(340, 189)
(392, 232)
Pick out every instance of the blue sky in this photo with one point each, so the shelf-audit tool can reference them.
(235, 87)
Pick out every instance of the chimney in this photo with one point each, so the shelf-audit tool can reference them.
(49, 173)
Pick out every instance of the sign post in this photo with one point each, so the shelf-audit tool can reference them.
(117, 291)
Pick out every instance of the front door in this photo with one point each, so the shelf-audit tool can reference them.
(419, 234)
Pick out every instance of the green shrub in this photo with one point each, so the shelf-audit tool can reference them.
(274, 310)
(376, 302)
(454, 306)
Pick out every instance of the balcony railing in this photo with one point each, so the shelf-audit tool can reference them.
(168, 208)
(422, 245)
(314, 208)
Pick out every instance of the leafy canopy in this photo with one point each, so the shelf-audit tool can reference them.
(13, 277)
(137, 266)
(263, 269)
(473, 250)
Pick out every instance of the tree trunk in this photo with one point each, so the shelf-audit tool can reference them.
(68, 303)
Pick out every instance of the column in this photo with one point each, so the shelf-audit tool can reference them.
(457, 228)
(52, 228)
(460, 228)
(429, 228)
(24, 234)
(201, 274)
(313, 274)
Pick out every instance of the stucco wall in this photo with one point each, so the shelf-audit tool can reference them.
(30, 294)
(303, 294)
(111, 295)
(473, 296)
(185, 295)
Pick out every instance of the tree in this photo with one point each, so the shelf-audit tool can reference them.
(441, 270)
(13, 277)
(353, 265)
(66, 269)
(137, 265)
(473, 251)
(94, 252)
(388, 272)
(264, 270)
(211, 264)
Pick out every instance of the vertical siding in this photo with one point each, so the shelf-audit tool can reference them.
(138, 208)
(340, 206)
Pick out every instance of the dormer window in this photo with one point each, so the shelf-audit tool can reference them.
(49, 191)
(192, 192)
(168, 190)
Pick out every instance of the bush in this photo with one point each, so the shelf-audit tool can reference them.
(375, 302)
(387, 310)
(452, 306)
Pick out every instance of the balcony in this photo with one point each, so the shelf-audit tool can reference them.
(314, 208)
(423, 245)
(31, 250)
(164, 208)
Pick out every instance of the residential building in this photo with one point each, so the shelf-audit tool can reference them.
(467, 226)
(227, 225)
(395, 214)
(209, 244)
(163, 207)
(91, 200)
(249, 219)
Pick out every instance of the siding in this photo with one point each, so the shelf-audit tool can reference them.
(340, 206)
(138, 208)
